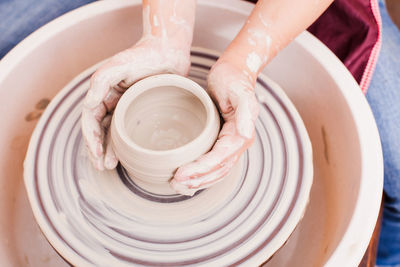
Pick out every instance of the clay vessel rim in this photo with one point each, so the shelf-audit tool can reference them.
(152, 82)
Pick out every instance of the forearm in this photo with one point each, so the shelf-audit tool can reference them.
(169, 20)
(269, 28)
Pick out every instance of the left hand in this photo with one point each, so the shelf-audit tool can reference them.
(149, 56)
(233, 92)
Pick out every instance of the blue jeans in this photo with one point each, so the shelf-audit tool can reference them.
(20, 18)
(384, 98)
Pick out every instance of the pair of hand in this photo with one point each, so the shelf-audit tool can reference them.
(229, 87)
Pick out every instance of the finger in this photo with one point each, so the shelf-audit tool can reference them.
(189, 187)
(100, 84)
(245, 115)
(93, 137)
(124, 85)
(210, 177)
(110, 160)
(229, 145)
(181, 188)
(111, 100)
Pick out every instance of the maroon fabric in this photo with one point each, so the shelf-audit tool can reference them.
(349, 29)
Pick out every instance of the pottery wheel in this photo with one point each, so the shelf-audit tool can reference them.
(105, 219)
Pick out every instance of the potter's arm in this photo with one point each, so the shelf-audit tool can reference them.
(163, 48)
(169, 20)
(270, 27)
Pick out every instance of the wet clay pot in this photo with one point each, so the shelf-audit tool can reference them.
(160, 123)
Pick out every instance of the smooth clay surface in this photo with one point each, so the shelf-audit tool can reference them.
(165, 118)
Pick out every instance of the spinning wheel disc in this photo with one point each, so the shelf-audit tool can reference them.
(104, 218)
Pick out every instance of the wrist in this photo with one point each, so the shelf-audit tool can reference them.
(174, 42)
(169, 22)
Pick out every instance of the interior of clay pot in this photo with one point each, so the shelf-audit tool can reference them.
(345, 196)
(164, 118)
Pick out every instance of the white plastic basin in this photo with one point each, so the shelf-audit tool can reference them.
(346, 194)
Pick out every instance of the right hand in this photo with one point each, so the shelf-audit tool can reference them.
(150, 56)
(233, 92)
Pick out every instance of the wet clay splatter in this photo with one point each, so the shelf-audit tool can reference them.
(42, 104)
(39, 107)
(33, 115)
(324, 139)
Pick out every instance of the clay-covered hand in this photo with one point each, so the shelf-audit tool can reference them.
(148, 57)
(233, 92)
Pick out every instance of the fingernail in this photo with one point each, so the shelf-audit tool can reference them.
(110, 163)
